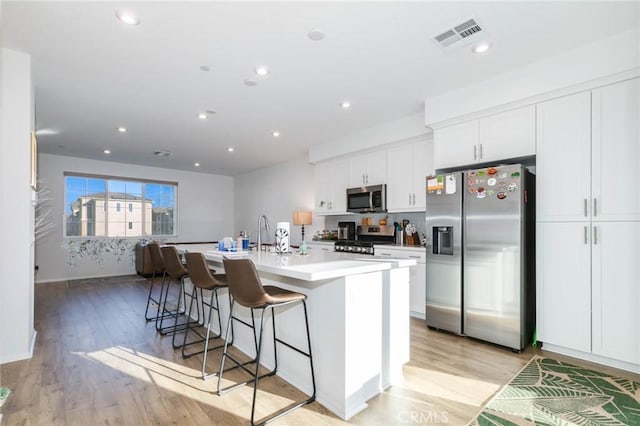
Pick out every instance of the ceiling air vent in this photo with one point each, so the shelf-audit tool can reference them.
(460, 35)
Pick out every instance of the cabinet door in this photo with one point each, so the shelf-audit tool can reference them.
(456, 145)
(563, 158)
(509, 134)
(323, 183)
(564, 284)
(340, 182)
(400, 182)
(418, 290)
(616, 293)
(357, 171)
(422, 163)
(376, 172)
(616, 152)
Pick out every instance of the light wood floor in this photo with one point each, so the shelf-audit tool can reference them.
(96, 361)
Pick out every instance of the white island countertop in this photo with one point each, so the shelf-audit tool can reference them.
(358, 309)
(314, 266)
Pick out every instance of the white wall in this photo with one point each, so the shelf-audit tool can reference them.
(596, 60)
(277, 192)
(402, 129)
(204, 212)
(16, 223)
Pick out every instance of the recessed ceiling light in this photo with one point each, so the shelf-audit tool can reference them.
(127, 17)
(345, 105)
(202, 116)
(250, 82)
(106, 151)
(44, 132)
(315, 34)
(196, 164)
(163, 153)
(230, 149)
(211, 111)
(205, 68)
(122, 129)
(276, 134)
(481, 47)
(262, 70)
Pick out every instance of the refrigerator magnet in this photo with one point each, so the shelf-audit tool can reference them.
(502, 175)
(491, 181)
(515, 174)
(492, 171)
(472, 190)
(512, 187)
(481, 194)
(502, 195)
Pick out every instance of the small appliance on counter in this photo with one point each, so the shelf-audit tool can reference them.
(346, 230)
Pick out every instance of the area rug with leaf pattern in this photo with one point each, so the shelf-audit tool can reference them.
(550, 392)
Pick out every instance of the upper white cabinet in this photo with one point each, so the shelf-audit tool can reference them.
(407, 168)
(368, 169)
(615, 180)
(330, 187)
(500, 136)
(563, 161)
(588, 155)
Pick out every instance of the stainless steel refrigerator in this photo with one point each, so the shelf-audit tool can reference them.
(480, 254)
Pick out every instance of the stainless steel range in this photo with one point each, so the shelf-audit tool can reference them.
(366, 238)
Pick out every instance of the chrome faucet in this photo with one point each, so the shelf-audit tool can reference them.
(266, 227)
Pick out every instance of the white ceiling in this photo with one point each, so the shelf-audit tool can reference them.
(92, 73)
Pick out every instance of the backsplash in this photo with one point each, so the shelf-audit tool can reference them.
(331, 222)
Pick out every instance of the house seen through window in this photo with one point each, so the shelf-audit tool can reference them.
(93, 207)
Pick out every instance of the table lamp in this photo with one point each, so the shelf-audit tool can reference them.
(302, 218)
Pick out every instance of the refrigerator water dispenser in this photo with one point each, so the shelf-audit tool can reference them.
(443, 240)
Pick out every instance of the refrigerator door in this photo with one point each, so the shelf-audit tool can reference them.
(493, 261)
(444, 251)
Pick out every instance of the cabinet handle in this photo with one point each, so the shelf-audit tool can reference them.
(415, 257)
(475, 152)
(585, 207)
(367, 177)
(595, 207)
(586, 235)
(409, 199)
(481, 151)
(385, 254)
(414, 198)
(595, 235)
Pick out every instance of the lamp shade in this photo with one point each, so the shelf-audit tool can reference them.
(301, 218)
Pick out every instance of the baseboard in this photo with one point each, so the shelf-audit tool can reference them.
(597, 359)
(24, 355)
(57, 280)
(419, 315)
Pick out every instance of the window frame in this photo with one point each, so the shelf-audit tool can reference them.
(108, 178)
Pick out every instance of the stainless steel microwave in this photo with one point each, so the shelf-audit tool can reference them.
(367, 199)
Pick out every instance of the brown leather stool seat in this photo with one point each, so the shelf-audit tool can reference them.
(247, 290)
(178, 272)
(202, 279)
(157, 263)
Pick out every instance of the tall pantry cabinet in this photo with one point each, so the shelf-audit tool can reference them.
(588, 223)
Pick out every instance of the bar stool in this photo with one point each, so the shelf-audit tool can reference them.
(247, 290)
(158, 269)
(176, 271)
(202, 279)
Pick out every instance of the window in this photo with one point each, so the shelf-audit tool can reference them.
(93, 207)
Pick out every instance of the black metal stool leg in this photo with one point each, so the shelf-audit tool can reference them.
(150, 299)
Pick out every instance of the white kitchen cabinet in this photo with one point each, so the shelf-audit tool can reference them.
(616, 151)
(368, 169)
(588, 155)
(616, 293)
(331, 181)
(320, 245)
(407, 167)
(456, 145)
(509, 134)
(418, 280)
(588, 231)
(563, 161)
(564, 284)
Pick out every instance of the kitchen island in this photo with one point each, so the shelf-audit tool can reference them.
(358, 319)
